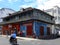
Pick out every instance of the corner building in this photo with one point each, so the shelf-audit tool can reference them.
(30, 20)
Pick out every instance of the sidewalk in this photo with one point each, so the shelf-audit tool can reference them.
(22, 38)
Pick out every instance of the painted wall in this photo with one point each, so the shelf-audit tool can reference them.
(16, 25)
(33, 27)
(36, 28)
(23, 28)
(6, 27)
(27, 28)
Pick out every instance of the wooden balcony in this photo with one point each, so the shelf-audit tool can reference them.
(26, 18)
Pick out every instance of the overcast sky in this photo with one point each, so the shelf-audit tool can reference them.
(17, 4)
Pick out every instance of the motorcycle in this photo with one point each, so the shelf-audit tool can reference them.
(13, 41)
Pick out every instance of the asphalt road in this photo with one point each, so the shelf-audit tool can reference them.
(5, 41)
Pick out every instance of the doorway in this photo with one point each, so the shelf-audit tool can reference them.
(29, 30)
(48, 30)
(41, 30)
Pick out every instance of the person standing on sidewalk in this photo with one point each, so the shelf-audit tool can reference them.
(6, 33)
(23, 33)
(18, 33)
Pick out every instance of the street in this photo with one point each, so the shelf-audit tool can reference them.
(5, 41)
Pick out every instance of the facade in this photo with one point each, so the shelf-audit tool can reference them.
(30, 21)
(55, 11)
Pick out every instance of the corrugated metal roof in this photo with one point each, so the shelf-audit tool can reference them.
(27, 9)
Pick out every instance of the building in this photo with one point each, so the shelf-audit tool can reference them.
(55, 11)
(30, 21)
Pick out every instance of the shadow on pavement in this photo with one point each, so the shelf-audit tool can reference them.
(50, 37)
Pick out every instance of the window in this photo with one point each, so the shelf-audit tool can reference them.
(54, 11)
(58, 18)
(59, 11)
(51, 18)
(16, 17)
(7, 19)
(35, 13)
(55, 18)
(48, 18)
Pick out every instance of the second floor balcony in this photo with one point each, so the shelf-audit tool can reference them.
(27, 18)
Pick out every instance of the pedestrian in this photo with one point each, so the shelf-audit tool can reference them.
(6, 33)
(34, 36)
(23, 33)
(18, 33)
(15, 31)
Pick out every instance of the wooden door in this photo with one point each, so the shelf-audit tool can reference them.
(41, 30)
(48, 31)
(29, 30)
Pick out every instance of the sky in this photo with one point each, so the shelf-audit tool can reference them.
(39, 4)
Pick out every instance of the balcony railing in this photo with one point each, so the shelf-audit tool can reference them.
(44, 19)
(27, 18)
(12, 21)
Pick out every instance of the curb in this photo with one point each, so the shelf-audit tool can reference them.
(21, 38)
